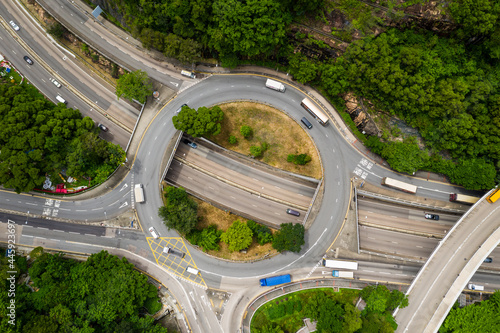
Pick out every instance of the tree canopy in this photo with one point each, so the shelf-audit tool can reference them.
(180, 212)
(290, 237)
(201, 122)
(104, 293)
(134, 85)
(39, 138)
(238, 236)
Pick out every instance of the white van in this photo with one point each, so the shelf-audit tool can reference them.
(60, 99)
(192, 270)
(154, 233)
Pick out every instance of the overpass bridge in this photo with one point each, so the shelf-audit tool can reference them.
(450, 267)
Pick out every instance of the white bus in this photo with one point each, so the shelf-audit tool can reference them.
(314, 111)
(340, 264)
(398, 185)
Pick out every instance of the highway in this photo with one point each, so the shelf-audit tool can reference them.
(450, 268)
(339, 159)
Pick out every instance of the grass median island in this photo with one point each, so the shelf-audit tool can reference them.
(283, 134)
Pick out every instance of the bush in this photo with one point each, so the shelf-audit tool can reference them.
(289, 307)
(233, 140)
(246, 131)
(256, 151)
(301, 159)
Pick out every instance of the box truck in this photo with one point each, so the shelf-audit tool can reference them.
(139, 193)
(475, 287)
(340, 264)
(467, 199)
(275, 280)
(275, 85)
(188, 74)
(342, 274)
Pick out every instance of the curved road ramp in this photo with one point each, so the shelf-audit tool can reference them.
(449, 269)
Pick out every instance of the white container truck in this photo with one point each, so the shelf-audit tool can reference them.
(342, 274)
(139, 193)
(340, 264)
(275, 85)
(475, 287)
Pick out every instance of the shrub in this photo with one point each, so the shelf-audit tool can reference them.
(233, 140)
(256, 151)
(301, 159)
(246, 131)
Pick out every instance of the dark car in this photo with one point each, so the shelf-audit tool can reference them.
(488, 260)
(193, 145)
(292, 212)
(432, 217)
(28, 60)
(180, 108)
(104, 128)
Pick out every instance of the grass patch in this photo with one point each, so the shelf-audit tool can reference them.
(283, 134)
(287, 310)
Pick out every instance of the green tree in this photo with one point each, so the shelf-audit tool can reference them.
(290, 237)
(246, 131)
(302, 69)
(467, 173)
(197, 123)
(248, 28)
(238, 236)
(134, 85)
(261, 232)
(478, 17)
(180, 212)
(330, 317)
(405, 156)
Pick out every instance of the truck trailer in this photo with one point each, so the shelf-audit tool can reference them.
(340, 264)
(475, 287)
(342, 274)
(275, 280)
(275, 85)
(466, 199)
(139, 193)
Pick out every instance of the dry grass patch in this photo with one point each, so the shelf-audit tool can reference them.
(282, 133)
(209, 214)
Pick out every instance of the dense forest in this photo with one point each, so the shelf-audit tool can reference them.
(437, 71)
(39, 139)
(102, 294)
(481, 317)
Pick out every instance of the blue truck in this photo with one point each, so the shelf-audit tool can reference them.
(275, 280)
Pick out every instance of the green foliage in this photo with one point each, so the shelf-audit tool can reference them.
(208, 238)
(301, 159)
(233, 140)
(238, 236)
(477, 317)
(256, 151)
(102, 294)
(405, 156)
(248, 28)
(56, 30)
(39, 138)
(380, 299)
(197, 123)
(289, 238)
(445, 89)
(246, 131)
(180, 212)
(261, 232)
(477, 17)
(474, 174)
(134, 85)
(302, 69)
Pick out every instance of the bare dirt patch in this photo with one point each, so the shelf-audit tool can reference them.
(282, 133)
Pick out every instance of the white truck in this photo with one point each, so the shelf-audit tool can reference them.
(188, 74)
(342, 274)
(275, 85)
(139, 193)
(475, 287)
